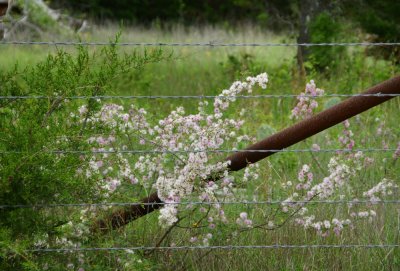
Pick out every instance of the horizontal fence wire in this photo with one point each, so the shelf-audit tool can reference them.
(198, 151)
(279, 96)
(230, 247)
(243, 202)
(196, 44)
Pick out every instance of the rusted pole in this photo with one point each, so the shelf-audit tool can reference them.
(292, 135)
(122, 217)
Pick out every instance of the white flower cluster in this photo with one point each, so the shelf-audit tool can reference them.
(342, 168)
(385, 187)
(347, 138)
(228, 95)
(244, 221)
(181, 166)
(323, 227)
(199, 132)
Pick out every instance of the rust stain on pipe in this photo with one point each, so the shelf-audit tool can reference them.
(289, 136)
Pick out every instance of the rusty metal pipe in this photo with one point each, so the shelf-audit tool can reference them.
(289, 136)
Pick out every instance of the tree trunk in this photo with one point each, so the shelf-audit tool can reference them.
(3, 7)
(3, 11)
(36, 16)
(308, 10)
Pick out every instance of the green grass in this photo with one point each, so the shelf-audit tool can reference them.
(206, 71)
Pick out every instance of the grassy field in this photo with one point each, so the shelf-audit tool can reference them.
(207, 71)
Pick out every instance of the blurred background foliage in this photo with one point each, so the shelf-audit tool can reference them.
(376, 17)
(308, 20)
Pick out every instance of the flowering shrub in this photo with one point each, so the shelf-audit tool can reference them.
(182, 164)
(183, 167)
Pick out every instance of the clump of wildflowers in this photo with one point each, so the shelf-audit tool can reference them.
(244, 221)
(346, 139)
(343, 167)
(307, 102)
(382, 189)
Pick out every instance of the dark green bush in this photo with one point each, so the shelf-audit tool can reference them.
(324, 29)
(32, 129)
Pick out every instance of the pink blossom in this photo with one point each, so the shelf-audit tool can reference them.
(315, 147)
(243, 215)
(100, 164)
(133, 180)
(306, 102)
(396, 154)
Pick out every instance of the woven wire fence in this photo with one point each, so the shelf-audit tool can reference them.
(242, 202)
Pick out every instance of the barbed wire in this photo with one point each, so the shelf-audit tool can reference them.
(229, 247)
(196, 44)
(279, 96)
(243, 202)
(198, 151)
